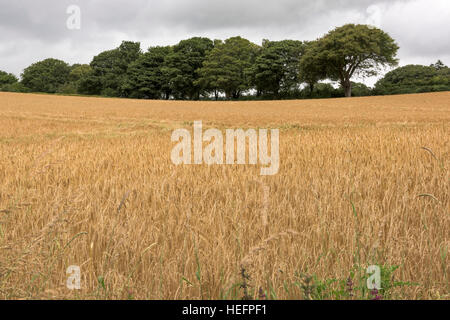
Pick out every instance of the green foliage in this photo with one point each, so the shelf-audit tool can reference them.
(415, 79)
(352, 288)
(276, 68)
(109, 70)
(7, 78)
(228, 67)
(199, 68)
(311, 72)
(360, 90)
(325, 90)
(9, 83)
(145, 77)
(351, 50)
(68, 88)
(78, 73)
(90, 84)
(14, 87)
(439, 65)
(46, 76)
(181, 67)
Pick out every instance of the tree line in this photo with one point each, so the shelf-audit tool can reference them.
(236, 69)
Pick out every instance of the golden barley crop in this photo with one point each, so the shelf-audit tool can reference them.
(89, 182)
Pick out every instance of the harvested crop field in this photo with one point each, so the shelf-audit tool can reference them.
(89, 182)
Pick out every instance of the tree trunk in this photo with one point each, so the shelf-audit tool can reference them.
(347, 88)
(311, 89)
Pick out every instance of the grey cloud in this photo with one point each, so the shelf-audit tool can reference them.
(34, 29)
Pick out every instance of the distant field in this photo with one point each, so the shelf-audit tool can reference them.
(89, 182)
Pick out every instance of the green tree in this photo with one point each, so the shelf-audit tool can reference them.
(109, 70)
(276, 68)
(311, 72)
(90, 84)
(439, 65)
(360, 90)
(228, 67)
(352, 50)
(145, 76)
(77, 74)
(79, 71)
(208, 82)
(10, 83)
(7, 78)
(182, 64)
(46, 76)
(14, 87)
(414, 79)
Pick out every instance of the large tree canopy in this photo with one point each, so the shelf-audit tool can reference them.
(182, 64)
(415, 79)
(311, 72)
(228, 67)
(46, 76)
(109, 69)
(78, 73)
(145, 76)
(236, 68)
(276, 67)
(352, 50)
(7, 78)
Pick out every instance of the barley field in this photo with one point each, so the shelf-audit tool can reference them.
(89, 182)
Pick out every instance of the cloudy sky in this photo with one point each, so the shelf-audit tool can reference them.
(32, 30)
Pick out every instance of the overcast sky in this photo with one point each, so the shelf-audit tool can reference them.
(32, 30)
